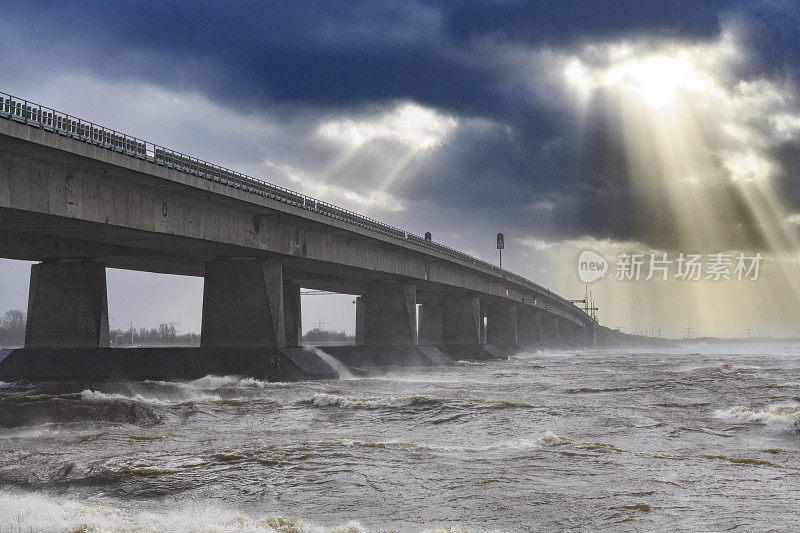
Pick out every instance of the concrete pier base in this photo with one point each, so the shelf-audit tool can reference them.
(567, 334)
(388, 356)
(469, 352)
(86, 365)
(67, 306)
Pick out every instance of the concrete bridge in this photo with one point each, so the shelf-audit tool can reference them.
(78, 198)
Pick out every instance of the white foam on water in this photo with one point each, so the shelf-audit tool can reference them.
(26, 432)
(97, 396)
(36, 512)
(549, 439)
(165, 393)
(325, 400)
(782, 416)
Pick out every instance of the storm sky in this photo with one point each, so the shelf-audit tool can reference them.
(661, 127)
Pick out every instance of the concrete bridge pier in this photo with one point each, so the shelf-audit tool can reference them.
(461, 328)
(243, 305)
(502, 331)
(529, 330)
(568, 333)
(67, 306)
(292, 316)
(359, 321)
(386, 330)
(551, 331)
(585, 336)
(251, 318)
(390, 314)
(430, 324)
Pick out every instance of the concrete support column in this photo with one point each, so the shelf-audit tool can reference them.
(551, 330)
(67, 306)
(292, 317)
(529, 326)
(567, 333)
(359, 321)
(461, 319)
(502, 324)
(390, 314)
(430, 323)
(243, 305)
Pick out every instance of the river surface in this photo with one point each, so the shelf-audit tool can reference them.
(684, 438)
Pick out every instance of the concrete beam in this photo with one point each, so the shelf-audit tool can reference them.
(390, 314)
(243, 305)
(67, 306)
(461, 319)
(502, 324)
(430, 324)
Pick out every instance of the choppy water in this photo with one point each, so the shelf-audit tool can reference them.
(593, 440)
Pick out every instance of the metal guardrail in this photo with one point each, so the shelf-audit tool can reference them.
(59, 123)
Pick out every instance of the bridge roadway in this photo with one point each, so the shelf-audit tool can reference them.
(78, 198)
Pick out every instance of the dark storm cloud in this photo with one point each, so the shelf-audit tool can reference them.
(325, 57)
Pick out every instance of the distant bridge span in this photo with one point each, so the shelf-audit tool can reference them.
(78, 197)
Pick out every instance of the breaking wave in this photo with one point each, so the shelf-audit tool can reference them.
(377, 402)
(19, 411)
(36, 512)
(783, 416)
(547, 440)
(326, 400)
(169, 393)
(97, 396)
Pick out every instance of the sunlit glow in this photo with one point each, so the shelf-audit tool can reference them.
(412, 125)
(700, 146)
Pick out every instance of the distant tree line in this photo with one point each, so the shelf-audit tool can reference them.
(324, 335)
(165, 333)
(12, 333)
(12, 327)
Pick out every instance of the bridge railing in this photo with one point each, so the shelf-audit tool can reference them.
(59, 123)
